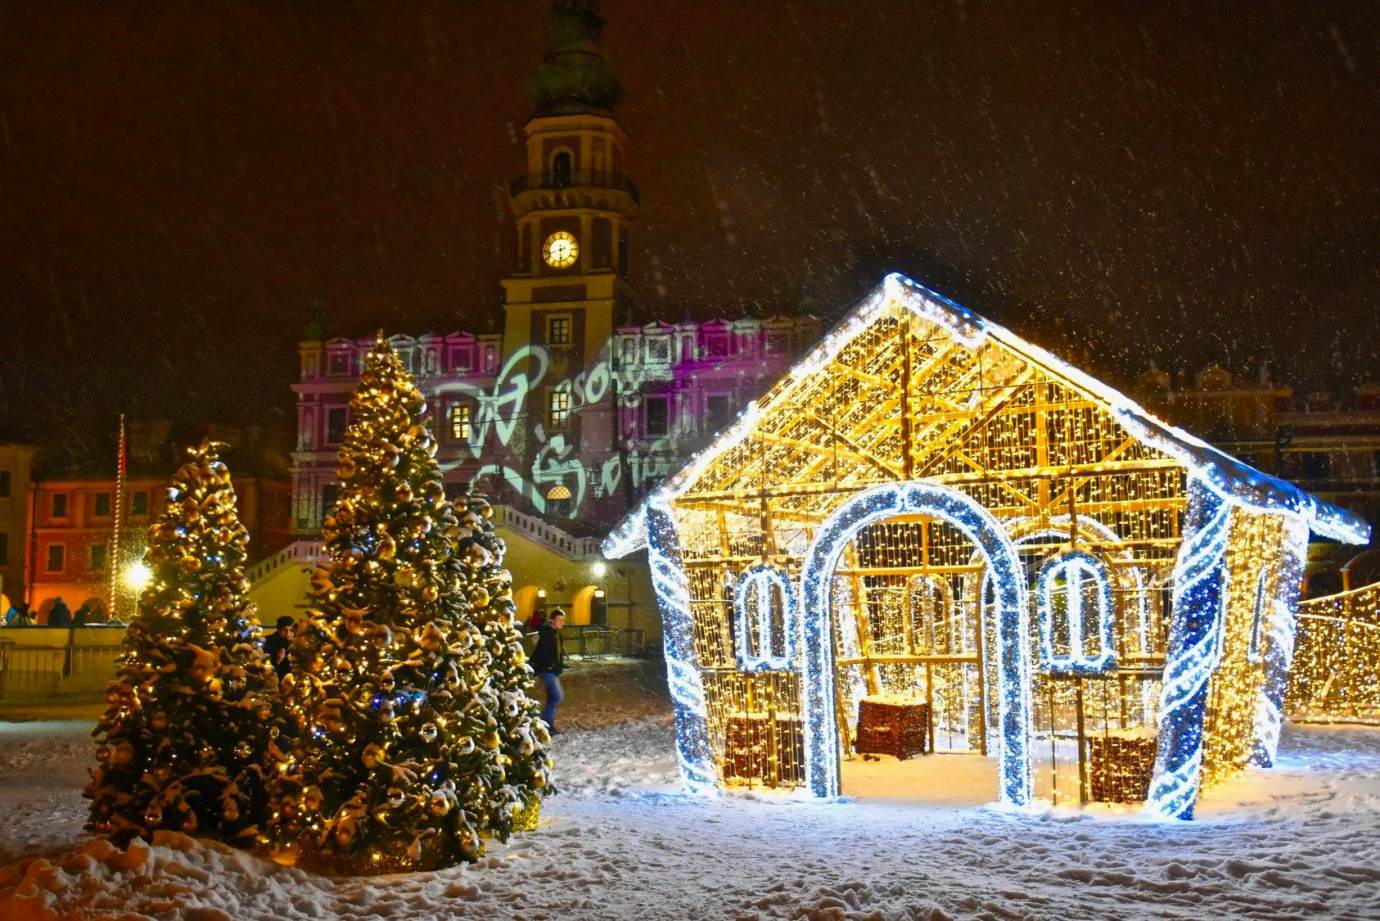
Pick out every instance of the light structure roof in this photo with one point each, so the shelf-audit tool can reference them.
(1233, 479)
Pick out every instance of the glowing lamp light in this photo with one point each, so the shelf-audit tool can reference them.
(599, 569)
(558, 493)
(137, 576)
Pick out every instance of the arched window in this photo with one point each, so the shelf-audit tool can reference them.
(1074, 600)
(562, 169)
(1258, 615)
(765, 622)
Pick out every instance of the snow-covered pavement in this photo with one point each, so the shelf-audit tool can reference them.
(620, 842)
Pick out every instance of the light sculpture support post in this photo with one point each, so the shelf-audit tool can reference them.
(678, 638)
(1279, 646)
(1195, 648)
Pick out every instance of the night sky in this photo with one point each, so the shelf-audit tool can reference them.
(1119, 181)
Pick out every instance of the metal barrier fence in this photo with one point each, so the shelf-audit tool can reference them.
(598, 642)
(28, 672)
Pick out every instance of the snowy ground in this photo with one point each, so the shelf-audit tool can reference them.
(620, 842)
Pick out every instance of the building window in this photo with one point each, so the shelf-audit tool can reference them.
(776, 343)
(558, 330)
(558, 409)
(329, 495)
(4, 484)
(97, 552)
(56, 557)
(338, 363)
(658, 350)
(4, 548)
(139, 503)
(58, 508)
(336, 420)
(1316, 465)
(716, 345)
(102, 505)
(716, 407)
(459, 358)
(459, 414)
(658, 419)
(562, 169)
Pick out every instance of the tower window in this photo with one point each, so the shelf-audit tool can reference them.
(558, 409)
(562, 169)
(558, 330)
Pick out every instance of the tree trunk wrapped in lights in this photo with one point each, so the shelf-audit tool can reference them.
(414, 737)
(192, 720)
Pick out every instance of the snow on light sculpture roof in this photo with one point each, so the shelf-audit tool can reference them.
(1234, 480)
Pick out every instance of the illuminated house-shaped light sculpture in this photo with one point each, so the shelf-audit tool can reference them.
(929, 508)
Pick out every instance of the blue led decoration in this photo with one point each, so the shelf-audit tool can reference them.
(756, 584)
(1073, 567)
(678, 639)
(822, 754)
(1195, 648)
(1278, 655)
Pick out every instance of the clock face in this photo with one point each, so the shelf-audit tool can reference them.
(560, 250)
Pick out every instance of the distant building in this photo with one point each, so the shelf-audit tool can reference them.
(16, 463)
(1328, 444)
(73, 510)
(575, 409)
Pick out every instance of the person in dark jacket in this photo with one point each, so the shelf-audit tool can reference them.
(60, 615)
(276, 646)
(548, 661)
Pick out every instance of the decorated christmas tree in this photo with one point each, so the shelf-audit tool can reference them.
(189, 738)
(414, 739)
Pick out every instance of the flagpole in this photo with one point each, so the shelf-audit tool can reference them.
(113, 558)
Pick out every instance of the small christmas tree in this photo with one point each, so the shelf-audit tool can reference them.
(192, 711)
(408, 751)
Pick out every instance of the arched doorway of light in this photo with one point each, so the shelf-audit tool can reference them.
(823, 751)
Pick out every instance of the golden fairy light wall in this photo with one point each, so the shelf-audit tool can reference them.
(1253, 572)
(1336, 671)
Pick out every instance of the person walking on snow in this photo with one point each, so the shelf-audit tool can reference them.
(548, 661)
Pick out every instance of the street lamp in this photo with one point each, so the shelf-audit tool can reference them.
(137, 575)
(599, 569)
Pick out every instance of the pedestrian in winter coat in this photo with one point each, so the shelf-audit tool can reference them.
(276, 646)
(20, 616)
(548, 661)
(60, 615)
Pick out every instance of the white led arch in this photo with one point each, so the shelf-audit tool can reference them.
(822, 750)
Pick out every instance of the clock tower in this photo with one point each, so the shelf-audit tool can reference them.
(572, 209)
